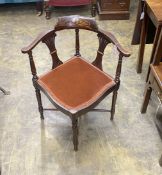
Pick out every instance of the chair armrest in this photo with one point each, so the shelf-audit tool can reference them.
(39, 38)
(112, 38)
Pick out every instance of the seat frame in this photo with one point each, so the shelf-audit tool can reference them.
(76, 23)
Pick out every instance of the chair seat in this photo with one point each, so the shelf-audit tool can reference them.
(76, 84)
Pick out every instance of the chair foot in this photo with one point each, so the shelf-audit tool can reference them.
(75, 132)
(42, 117)
(39, 100)
(115, 93)
(112, 117)
(146, 99)
(75, 148)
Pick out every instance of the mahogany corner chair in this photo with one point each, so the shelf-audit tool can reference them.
(76, 86)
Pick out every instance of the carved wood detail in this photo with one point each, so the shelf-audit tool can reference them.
(34, 80)
(50, 42)
(32, 65)
(102, 45)
(119, 67)
(76, 21)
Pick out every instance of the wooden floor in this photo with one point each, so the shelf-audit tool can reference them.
(130, 145)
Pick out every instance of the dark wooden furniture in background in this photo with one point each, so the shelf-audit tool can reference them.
(76, 86)
(155, 76)
(154, 82)
(113, 9)
(138, 26)
(153, 15)
(70, 3)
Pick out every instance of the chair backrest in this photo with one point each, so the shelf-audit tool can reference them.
(76, 23)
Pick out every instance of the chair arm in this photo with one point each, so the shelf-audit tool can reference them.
(112, 38)
(39, 38)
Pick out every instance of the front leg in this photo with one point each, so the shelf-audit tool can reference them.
(39, 99)
(75, 132)
(115, 93)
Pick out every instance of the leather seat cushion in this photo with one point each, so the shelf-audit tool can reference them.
(75, 84)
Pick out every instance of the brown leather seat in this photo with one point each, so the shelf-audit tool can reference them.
(76, 84)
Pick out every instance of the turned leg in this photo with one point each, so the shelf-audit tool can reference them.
(115, 93)
(39, 100)
(75, 132)
(40, 107)
(146, 99)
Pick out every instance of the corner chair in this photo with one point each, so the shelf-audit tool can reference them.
(76, 86)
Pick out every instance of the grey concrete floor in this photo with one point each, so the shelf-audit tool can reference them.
(128, 145)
